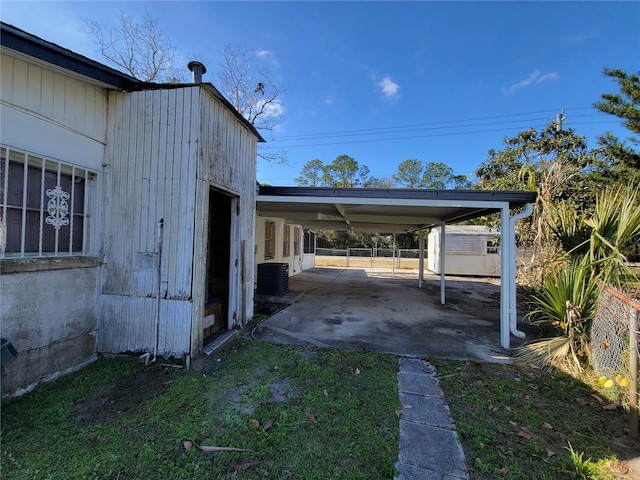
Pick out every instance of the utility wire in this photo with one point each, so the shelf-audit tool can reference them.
(421, 126)
(441, 134)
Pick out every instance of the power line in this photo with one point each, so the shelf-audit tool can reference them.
(441, 134)
(291, 137)
(421, 126)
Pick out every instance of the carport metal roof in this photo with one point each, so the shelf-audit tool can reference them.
(382, 210)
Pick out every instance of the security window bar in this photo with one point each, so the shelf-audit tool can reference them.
(44, 209)
(286, 241)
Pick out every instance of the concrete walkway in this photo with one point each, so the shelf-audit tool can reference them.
(429, 446)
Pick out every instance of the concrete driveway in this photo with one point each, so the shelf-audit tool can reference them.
(383, 311)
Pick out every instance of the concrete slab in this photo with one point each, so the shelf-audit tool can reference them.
(413, 472)
(379, 310)
(416, 366)
(432, 411)
(419, 383)
(431, 448)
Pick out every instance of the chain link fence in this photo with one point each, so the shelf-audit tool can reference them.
(610, 336)
(368, 257)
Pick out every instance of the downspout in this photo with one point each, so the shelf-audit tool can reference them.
(513, 314)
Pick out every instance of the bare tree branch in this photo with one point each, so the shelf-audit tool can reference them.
(140, 49)
(250, 89)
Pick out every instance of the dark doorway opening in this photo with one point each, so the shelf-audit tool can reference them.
(216, 309)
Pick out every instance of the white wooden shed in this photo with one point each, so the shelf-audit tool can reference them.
(180, 199)
(148, 247)
(469, 250)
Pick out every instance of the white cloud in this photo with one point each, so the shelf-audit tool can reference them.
(329, 100)
(388, 88)
(547, 76)
(535, 78)
(263, 53)
(575, 39)
(274, 109)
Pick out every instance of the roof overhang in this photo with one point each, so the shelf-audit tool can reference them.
(382, 210)
(28, 46)
(58, 57)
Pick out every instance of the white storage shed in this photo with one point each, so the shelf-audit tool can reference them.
(469, 250)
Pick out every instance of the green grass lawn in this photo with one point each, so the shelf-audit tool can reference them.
(303, 413)
(517, 422)
(296, 413)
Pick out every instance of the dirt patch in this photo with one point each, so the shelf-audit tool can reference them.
(123, 395)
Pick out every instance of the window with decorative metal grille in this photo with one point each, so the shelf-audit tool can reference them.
(45, 206)
(269, 239)
(286, 241)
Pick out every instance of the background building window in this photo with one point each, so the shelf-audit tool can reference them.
(309, 242)
(296, 241)
(44, 203)
(286, 241)
(269, 239)
(492, 247)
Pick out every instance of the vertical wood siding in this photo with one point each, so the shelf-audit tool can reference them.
(57, 97)
(166, 148)
(227, 162)
(151, 151)
(67, 117)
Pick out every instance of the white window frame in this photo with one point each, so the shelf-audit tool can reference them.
(269, 239)
(296, 241)
(286, 241)
(57, 210)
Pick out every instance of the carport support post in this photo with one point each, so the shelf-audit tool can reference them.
(442, 265)
(505, 270)
(421, 259)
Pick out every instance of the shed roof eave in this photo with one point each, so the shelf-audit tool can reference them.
(28, 44)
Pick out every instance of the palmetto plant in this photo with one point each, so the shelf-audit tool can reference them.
(567, 302)
(595, 246)
(570, 229)
(614, 224)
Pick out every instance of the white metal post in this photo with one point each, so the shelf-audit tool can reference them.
(633, 367)
(421, 259)
(504, 277)
(443, 251)
(393, 254)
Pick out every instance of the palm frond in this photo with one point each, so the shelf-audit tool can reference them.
(548, 353)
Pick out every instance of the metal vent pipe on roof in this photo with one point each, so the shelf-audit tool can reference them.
(198, 70)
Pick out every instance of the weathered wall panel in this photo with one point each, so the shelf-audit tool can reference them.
(53, 330)
(227, 162)
(152, 151)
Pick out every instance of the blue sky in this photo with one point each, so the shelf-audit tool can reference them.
(387, 81)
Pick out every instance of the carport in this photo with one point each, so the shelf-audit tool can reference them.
(407, 210)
